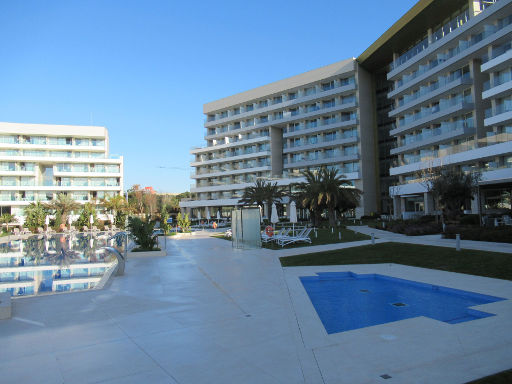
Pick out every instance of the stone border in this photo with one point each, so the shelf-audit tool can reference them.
(132, 255)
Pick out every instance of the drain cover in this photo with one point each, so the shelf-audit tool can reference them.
(385, 376)
(399, 304)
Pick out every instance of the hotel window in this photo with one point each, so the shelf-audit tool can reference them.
(263, 104)
(8, 139)
(309, 91)
(328, 86)
(346, 81)
(82, 142)
(277, 100)
(236, 111)
(97, 142)
(223, 114)
(57, 140)
(249, 107)
(328, 103)
(348, 99)
(292, 95)
(278, 115)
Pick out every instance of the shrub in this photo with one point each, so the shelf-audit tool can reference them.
(414, 227)
(499, 235)
(142, 231)
(470, 220)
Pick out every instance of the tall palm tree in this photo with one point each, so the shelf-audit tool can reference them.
(306, 195)
(262, 192)
(336, 193)
(115, 204)
(64, 205)
(326, 189)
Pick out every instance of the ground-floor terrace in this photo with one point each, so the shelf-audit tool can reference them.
(208, 313)
(492, 199)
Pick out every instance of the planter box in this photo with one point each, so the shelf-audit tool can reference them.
(132, 255)
(5, 306)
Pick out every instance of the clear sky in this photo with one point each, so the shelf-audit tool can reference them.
(144, 68)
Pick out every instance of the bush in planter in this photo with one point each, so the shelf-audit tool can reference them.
(142, 231)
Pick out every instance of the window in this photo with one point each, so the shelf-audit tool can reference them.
(292, 95)
(249, 107)
(328, 86)
(263, 104)
(309, 91)
(277, 100)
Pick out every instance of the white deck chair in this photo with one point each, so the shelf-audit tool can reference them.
(302, 236)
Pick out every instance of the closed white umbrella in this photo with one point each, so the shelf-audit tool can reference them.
(91, 220)
(198, 215)
(47, 221)
(70, 221)
(261, 213)
(208, 217)
(273, 217)
(293, 215)
(218, 215)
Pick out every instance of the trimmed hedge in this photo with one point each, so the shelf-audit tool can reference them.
(498, 235)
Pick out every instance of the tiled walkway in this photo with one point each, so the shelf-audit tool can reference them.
(209, 314)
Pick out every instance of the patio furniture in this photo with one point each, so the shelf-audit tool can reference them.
(25, 231)
(16, 231)
(266, 238)
(507, 220)
(303, 236)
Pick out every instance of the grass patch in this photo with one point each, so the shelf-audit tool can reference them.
(324, 236)
(480, 263)
(504, 377)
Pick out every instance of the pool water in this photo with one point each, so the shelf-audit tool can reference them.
(346, 301)
(57, 263)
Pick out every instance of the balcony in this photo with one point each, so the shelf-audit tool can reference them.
(321, 160)
(444, 111)
(452, 83)
(447, 61)
(448, 132)
(501, 115)
(344, 88)
(499, 61)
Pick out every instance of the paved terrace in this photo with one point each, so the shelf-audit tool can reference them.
(209, 314)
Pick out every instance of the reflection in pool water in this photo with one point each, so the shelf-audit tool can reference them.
(57, 263)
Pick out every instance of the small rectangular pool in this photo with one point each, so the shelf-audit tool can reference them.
(345, 300)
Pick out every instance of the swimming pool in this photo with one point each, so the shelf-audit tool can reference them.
(346, 301)
(44, 264)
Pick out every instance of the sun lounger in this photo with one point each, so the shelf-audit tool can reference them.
(303, 236)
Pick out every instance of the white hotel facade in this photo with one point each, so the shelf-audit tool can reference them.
(277, 131)
(39, 161)
(435, 89)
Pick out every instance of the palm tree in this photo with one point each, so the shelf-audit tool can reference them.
(35, 214)
(336, 193)
(326, 189)
(6, 218)
(307, 195)
(64, 205)
(262, 192)
(115, 204)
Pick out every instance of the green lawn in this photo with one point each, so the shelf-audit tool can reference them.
(481, 263)
(323, 236)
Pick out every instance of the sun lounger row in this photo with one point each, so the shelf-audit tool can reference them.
(286, 237)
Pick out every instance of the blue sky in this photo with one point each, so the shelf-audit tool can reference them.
(145, 68)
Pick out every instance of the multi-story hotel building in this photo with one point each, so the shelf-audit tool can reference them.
(39, 161)
(434, 90)
(452, 103)
(278, 130)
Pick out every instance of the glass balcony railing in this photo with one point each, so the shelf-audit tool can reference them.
(463, 45)
(440, 33)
